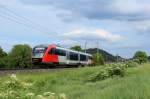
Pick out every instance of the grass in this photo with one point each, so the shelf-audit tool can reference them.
(135, 84)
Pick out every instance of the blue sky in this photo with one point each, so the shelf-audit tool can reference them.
(121, 27)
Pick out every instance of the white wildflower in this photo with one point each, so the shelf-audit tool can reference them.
(30, 94)
(26, 85)
(52, 93)
(1, 95)
(12, 92)
(47, 93)
(40, 97)
(7, 82)
(62, 96)
(13, 77)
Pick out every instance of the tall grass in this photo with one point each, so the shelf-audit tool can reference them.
(134, 85)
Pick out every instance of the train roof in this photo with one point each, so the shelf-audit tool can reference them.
(45, 45)
(74, 51)
(42, 45)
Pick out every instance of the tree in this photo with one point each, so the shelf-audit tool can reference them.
(20, 56)
(76, 48)
(98, 59)
(3, 61)
(141, 57)
(2, 53)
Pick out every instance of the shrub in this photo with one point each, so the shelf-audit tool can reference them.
(98, 59)
(14, 88)
(20, 56)
(132, 64)
(2, 53)
(141, 56)
(109, 71)
(4, 62)
(116, 70)
(101, 75)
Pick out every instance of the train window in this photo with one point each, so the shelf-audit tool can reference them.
(39, 49)
(57, 52)
(60, 52)
(52, 51)
(83, 57)
(73, 56)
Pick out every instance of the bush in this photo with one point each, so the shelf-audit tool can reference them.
(110, 71)
(4, 62)
(141, 57)
(20, 56)
(2, 53)
(13, 88)
(116, 70)
(101, 75)
(132, 64)
(98, 59)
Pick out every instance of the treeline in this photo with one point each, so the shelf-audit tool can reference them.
(21, 54)
(18, 57)
(100, 57)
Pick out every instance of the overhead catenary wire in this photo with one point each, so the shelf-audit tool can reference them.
(10, 15)
(22, 17)
(18, 22)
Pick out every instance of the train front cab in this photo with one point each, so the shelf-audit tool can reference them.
(38, 53)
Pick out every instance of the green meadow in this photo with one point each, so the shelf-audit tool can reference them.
(73, 84)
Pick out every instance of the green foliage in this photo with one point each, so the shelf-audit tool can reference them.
(76, 48)
(132, 63)
(2, 53)
(3, 58)
(110, 70)
(101, 75)
(116, 70)
(20, 56)
(13, 88)
(107, 56)
(135, 84)
(4, 62)
(98, 59)
(141, 56)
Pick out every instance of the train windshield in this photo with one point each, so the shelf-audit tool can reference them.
(38, 52)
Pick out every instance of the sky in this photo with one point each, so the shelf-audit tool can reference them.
(119, 26)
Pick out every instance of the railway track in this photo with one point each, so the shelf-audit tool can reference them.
(33, 70)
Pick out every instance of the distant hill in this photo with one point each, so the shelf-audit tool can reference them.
(107, 56)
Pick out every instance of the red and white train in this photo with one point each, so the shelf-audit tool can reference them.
(52, 54)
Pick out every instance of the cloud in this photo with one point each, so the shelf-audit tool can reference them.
(142, 27)
(92, 34)
(129, 46)
(36, 2)
(129, 10)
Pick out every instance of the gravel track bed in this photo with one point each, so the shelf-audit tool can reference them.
(37, 70)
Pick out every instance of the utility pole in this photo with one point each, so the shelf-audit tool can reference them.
(85, 46)
(97, 51)
(117, 58)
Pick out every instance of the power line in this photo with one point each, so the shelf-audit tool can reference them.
(23, 17)
(18, 22)
(12, 16)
